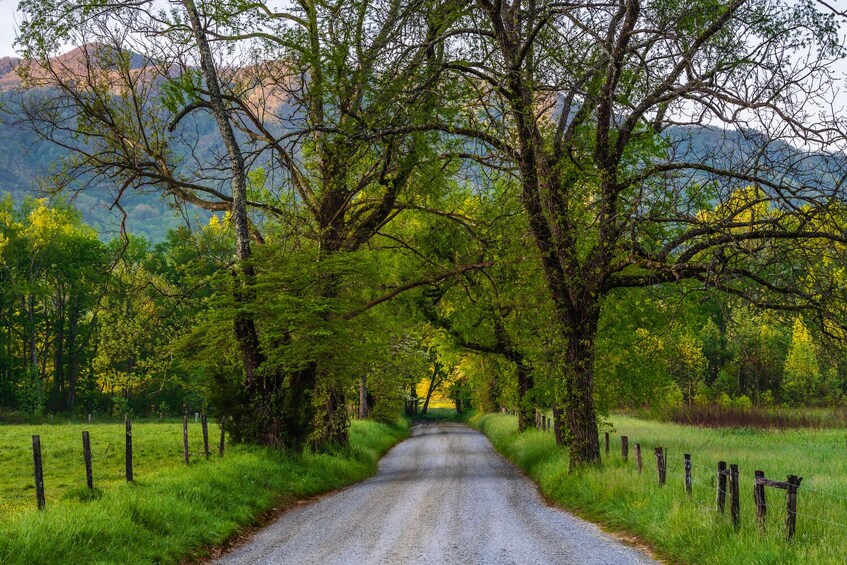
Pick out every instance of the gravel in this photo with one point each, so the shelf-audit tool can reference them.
(442, 496)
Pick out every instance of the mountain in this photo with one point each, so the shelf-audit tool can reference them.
(25, 160)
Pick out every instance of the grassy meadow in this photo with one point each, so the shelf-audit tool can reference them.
(684, 530)
(170, 512)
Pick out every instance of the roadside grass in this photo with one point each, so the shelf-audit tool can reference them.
(685, 530)
(171, 512)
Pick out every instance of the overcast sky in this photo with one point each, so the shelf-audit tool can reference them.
(8, 19)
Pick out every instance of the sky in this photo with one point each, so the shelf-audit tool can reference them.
(8, 20)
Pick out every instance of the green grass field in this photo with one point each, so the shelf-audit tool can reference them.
(171, 512)
(686, 530)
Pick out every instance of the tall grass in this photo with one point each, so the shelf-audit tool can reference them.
(780, 418)
(687, 530)
(171, 512)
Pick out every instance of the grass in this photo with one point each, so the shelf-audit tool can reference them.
(443, 414)
(690, 531)
(766, 418)
(171, 512)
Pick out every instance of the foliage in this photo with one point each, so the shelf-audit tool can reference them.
(802, 373)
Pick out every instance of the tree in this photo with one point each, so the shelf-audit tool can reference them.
(320, 135)
(594, 103)
(802, 377)
(688, 366)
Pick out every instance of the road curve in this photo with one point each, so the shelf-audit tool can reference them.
(442, 496)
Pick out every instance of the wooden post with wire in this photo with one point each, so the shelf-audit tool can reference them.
(185, 439)
(734, 498)
(759, 498)
(791, 501)
(687, 457)
(790, 486)
(720, 502)
(660, 465)
(638, 462)
(625, 447)
(38, 471)
(86, 456)
(129, 450)
(204, 424)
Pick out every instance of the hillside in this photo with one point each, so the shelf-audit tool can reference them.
(27, 161)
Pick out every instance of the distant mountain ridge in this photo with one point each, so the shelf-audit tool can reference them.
(24, 159)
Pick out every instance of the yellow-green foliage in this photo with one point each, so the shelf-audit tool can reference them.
(690, 531)
(171, 512)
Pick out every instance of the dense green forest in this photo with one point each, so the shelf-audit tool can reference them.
(130, 327)
(532, 205)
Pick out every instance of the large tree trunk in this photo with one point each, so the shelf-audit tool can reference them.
(262, 390)
(433, 383)
(578, 396)
(526, 408)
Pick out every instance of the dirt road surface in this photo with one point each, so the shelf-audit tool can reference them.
(442, 496)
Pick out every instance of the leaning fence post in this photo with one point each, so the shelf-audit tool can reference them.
(129, 450)
(185, 438)
(721, 493)
(791, 500)
(734, 495)
(607, 443)
(223, 435)
(660, 464)
(687, 457)
(205, 427)
(625, 447)
(759, 498)
(39, 472)
(638, 456)
(86, 455)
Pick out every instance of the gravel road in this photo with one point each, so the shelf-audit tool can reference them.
(442, 496)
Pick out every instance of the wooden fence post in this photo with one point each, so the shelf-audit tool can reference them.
(185, 438)
(89, 418)
(721, 493)
(660, 464)
(791, 500)
(86, 455)
(205, 426)
(223, 435)
(607, 443)
(625, 447)
(759, 498)
(638, 456)
(687, 457)
(39, 471)
(129, 451)
(734, 495)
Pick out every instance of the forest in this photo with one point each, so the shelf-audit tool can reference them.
(576, 207)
